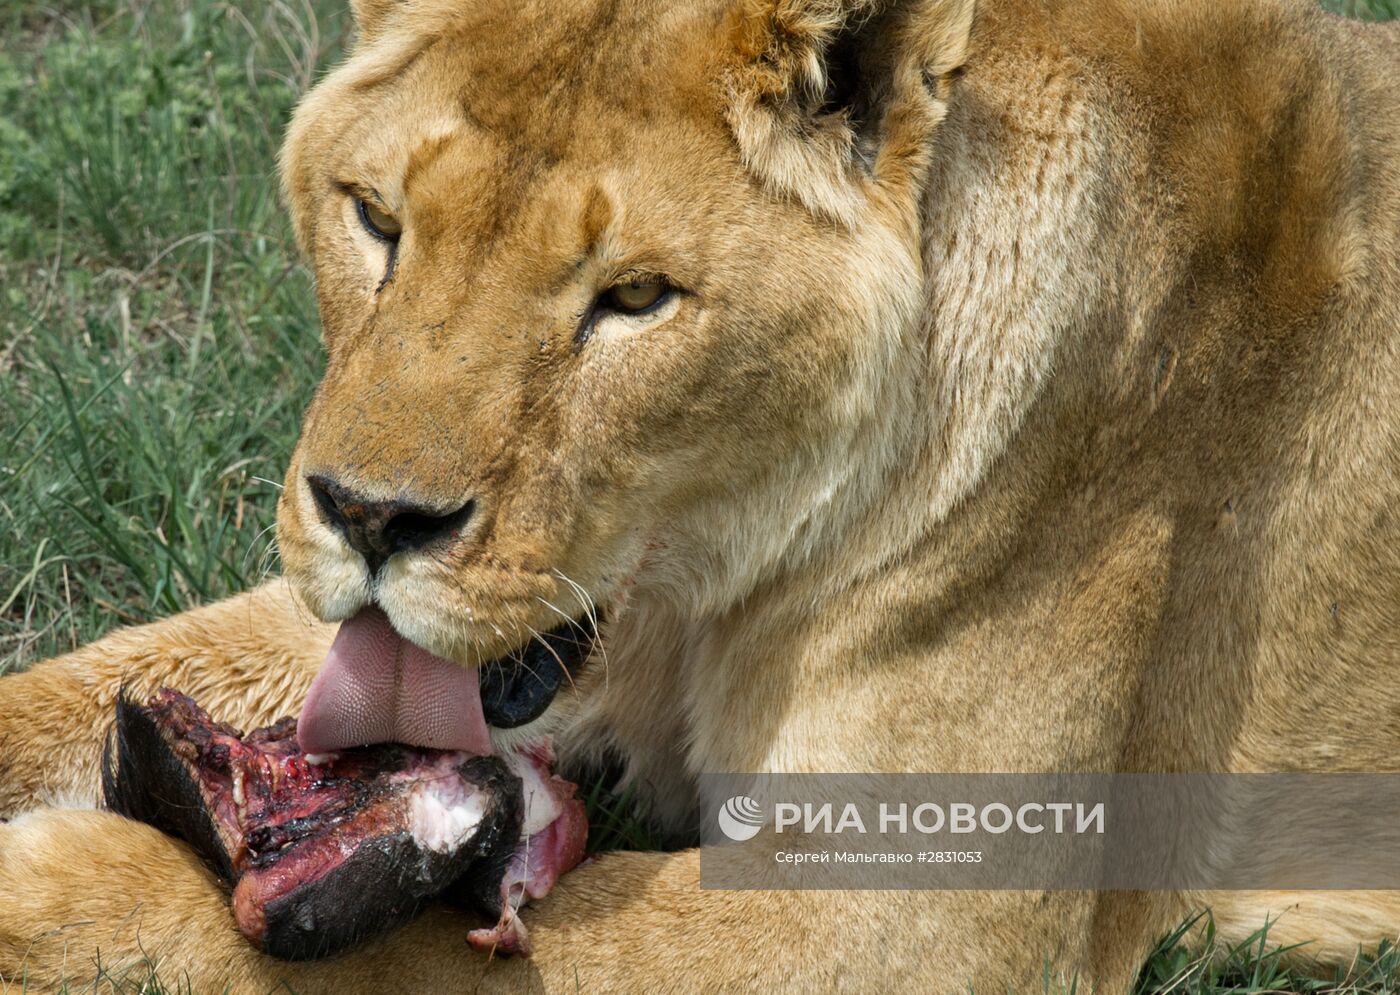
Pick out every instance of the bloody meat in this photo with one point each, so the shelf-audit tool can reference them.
(324, 852)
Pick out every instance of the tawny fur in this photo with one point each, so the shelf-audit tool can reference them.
(1040, 416)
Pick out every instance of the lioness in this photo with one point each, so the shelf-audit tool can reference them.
(907, 385)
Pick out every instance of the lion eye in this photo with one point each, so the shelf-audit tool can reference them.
(635, 297)
(378, 223)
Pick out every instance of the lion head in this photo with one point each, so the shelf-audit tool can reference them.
(619, 301)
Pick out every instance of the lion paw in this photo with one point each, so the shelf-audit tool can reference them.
(92, 896)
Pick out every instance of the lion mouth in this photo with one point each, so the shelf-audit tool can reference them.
(377, 687)
(517, 688)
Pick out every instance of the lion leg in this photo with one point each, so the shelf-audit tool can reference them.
(92, 897)
(1327, 926)
(89, 894)
(248, 659)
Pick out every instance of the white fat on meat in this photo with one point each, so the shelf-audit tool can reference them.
(542, 804)
(443, 813)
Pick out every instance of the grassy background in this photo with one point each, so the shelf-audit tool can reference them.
(158, 339)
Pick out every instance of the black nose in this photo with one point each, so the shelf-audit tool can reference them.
(379, 529)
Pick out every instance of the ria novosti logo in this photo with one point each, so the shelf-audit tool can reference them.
(740, 818)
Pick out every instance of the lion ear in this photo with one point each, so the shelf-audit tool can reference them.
(830, 96)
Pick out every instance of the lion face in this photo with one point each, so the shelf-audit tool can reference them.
(579, 349)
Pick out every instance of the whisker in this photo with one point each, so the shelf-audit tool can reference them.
(591, 608)
(538, 637)
(554, 653)
(252, 543)
(573, 623)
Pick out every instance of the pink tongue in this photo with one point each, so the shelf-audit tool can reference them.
(376, 687)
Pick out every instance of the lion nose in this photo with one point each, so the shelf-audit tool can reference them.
(379, 529)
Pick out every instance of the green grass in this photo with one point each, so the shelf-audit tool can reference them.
(158, 339)
(1191, 960)
(1370, 10)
